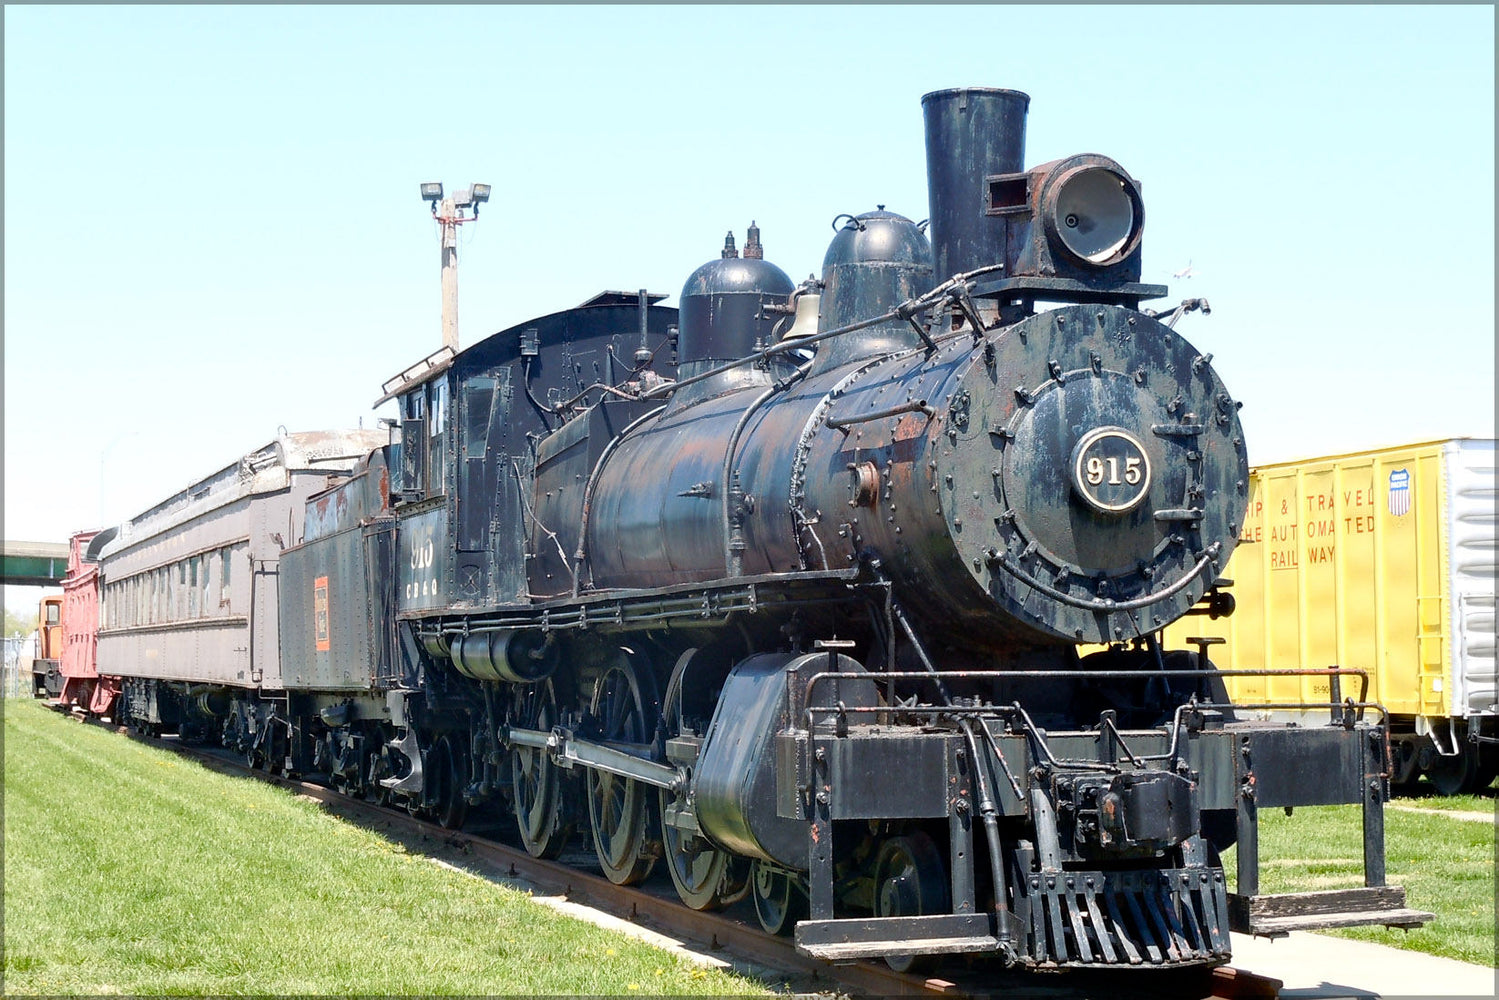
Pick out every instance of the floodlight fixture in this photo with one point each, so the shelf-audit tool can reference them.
(480, 193)
(432, 192)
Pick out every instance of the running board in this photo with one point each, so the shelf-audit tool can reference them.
(881, 937)
(1272, 916)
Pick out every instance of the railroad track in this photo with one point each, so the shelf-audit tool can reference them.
(722, 932)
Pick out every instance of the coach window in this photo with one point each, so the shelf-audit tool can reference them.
(224, 577)
(437, 425)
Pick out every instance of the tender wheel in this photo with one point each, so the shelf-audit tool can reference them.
(380, 768)
(254, 746)
(236, 734)
(447, 776)
(910, 880)
(780, 898)
(536, 783)
(706, 878)
(624, 703)
(276, 742)
(1455, 775)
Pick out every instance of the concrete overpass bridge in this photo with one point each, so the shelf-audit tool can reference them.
(33, 564)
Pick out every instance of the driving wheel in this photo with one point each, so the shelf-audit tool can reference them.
(536, 783)
(706, 877)
(624, 706)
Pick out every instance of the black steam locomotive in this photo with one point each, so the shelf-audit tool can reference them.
(785, 590)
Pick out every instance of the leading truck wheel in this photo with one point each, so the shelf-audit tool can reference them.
(536, 783)
(910, 881)
(619, 809)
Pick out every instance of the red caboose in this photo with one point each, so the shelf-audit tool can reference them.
(83, 690)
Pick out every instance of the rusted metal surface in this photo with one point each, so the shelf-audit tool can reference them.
(1013, 491)
(954, 477)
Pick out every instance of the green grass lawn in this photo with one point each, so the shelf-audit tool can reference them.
(131, 870)
(1446, 865)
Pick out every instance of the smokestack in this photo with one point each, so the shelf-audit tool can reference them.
(971, 133)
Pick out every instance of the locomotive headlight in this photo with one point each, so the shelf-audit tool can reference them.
(1092, 210)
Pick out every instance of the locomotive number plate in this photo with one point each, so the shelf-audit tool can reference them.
(1110, 470)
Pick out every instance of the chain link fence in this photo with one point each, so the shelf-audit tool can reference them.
(20, 651)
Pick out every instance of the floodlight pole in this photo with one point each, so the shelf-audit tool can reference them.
(452, 211)
(447, 214)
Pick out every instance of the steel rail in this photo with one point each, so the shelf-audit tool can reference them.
(865, 978)
(714, 930)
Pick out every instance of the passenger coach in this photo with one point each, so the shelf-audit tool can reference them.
(189, 588)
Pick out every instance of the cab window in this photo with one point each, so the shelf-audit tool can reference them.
(437, 425)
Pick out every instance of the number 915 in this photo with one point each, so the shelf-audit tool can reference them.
(1099, 470)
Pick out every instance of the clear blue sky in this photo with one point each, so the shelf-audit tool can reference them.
(212, 224)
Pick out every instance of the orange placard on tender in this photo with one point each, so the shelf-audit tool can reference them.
(320, 612)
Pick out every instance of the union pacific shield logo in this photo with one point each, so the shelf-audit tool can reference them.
(1400, 492)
